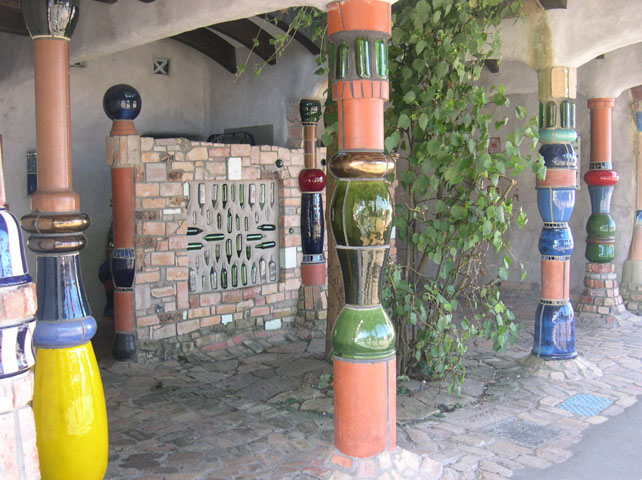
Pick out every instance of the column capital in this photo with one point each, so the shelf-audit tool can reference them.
(557, 82)
(594, 103)
(51, 18)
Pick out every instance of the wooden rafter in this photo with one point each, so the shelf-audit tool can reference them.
(245, 31)
(210, 44)
(11, 20)
(551, 4)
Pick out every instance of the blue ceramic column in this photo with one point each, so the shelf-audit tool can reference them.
(554, 337)
(311, 182)
(19, 456)
(122, 104)
(68, 404)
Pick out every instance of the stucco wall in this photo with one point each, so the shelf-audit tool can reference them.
(198, 98)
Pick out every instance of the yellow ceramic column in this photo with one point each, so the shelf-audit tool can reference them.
(68, 404)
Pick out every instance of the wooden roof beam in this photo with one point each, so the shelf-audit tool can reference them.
(210, 44)
(245, 31)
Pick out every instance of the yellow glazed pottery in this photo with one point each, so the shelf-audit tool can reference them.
(71, 418)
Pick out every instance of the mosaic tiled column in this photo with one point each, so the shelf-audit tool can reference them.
(361, 213)
(18, 453)
(311, 182)
(122, 104)
(554, 337)
(68, 404)
(632, 270)
(601, 295)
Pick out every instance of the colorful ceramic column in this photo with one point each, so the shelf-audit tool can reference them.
(554, 318)
(122, 104)
(311, 182)
(601, 295)
(632, 270)
(19, 457)
(68, 404)
(361, 212)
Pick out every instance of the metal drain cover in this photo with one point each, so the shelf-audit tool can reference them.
(586, 404)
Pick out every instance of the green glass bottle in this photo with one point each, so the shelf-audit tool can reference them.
(229, 221)
(253, 237)
(265, 245)
(247, 224)
(213, 282)
(217, 252)
(219, 221)
(214, 237)
(248, 252)
(228, 249)
(224, 195)
(238, 223)
(262, 196)
(194, 246)
(242, 194)
(267, 227)
(233, 193)
(223, 277)
(243, 274)
(193, 230)
(239, 245)
(235, 275)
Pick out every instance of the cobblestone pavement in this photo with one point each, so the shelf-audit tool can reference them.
(261, 411)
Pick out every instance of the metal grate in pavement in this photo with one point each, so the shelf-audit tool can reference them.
(586, 404)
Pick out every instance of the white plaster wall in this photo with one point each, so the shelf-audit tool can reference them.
(197, 98)
(263, 98)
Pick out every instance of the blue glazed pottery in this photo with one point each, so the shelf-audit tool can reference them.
(13, 266)
(122, 102)
(558, 155)
(555, 204)
(312, 223)
(554, 332)
(123, 268)
(557, 242)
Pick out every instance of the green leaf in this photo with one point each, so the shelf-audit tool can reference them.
(423, 121)
(404, 121)
(409, 97)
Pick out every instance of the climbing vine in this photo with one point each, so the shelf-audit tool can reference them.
(455, 200)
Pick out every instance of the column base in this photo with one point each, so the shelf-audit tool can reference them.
(395, 463)
(124, 347)
(601, 296)
(365, 406)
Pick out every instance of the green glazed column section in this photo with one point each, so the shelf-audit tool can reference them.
(361, 221)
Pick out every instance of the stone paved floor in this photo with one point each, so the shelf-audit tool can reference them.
(259, 411)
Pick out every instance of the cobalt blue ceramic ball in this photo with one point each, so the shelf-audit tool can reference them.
(122, 102)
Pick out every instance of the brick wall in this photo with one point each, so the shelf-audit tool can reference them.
(170, 319)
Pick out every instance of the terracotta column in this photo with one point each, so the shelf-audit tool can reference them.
(311, 182)
(555, 319)
(632, 270)
(601, 296)
(361, 212)
(122, 104)
(18, 452)
(68, 404)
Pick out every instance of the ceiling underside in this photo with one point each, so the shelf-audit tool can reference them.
(212, 41)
